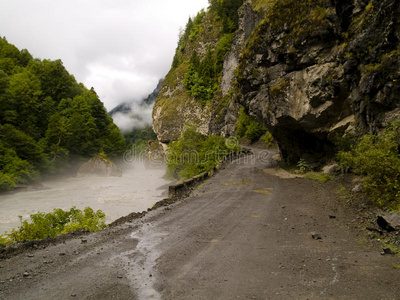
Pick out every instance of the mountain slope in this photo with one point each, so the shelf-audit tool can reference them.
(310, 71)
(47, 118)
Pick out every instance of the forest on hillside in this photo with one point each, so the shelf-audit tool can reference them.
(47, 118)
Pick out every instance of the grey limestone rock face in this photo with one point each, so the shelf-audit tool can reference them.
(314, 90)
(337, 73)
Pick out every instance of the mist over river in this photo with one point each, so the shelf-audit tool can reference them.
(138, 189)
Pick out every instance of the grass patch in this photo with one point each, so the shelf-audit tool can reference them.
(320, 177)
(265, 191)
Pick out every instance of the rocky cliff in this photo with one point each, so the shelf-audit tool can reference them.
(310, 71)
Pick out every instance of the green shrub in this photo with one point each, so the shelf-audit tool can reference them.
(222, 48)
(268, 139)
(377, 158)
(278, 89)
(303, 166)
(320, 177)
(44, 225)
(6, 182)
(200, 79)
(194, 153)
(254, 131)
(248, 128)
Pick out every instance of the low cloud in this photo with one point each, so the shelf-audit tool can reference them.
(139, 117)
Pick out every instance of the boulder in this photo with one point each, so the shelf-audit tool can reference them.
(389, 222)
(330, 169)
(99, 167)
(358, 188)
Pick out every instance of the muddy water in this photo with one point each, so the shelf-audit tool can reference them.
(138, 189)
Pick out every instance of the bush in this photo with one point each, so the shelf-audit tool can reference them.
(377, 158)
(320, 177)
(303, 166)
(57, 222)
(254, 131)
(248, 128)
(200, 79)
(268, 139)
(6, 182)
(194, 153)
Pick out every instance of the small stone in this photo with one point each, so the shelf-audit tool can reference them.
(31, 255)
(388, 251)
(332, 217)
(26, 274)
(62, 254)
(330, 169)
(73, 295)
(120, 277)
(83, 241)
(357, 188)
(316, 236)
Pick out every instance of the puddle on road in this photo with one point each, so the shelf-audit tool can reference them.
(140, 262)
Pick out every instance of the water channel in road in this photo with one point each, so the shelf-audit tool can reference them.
(139, 188)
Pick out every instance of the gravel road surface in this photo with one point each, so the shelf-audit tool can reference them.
(243, 234)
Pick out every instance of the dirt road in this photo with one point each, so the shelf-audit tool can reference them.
(243, 234)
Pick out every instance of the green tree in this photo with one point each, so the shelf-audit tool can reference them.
(227, 10)
(24, 145)
(56, 136)
(46, 113)
(114, 143)
(82, 132)
(55, 80)
(14, 170)
(24, 93)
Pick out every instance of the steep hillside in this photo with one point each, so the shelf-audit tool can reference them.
(310, 71)
(194, 79)
(47, 118)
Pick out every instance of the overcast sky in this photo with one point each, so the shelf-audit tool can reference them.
(119, 47)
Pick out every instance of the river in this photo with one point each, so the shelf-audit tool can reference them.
(138, 189)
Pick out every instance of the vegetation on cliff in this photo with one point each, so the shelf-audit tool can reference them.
(47, 118)
(195, 76)
(248, 128)
(377, 158)
(194, 153)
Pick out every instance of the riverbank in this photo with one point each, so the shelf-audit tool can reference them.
(139, 188)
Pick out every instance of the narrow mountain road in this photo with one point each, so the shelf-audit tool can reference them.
(243, 234)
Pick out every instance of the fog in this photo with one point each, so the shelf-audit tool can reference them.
(139, 117)
(138, 189)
